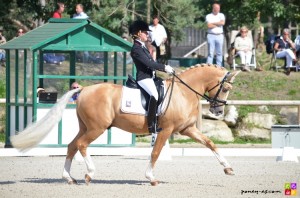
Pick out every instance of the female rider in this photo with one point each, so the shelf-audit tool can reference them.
(146, 68)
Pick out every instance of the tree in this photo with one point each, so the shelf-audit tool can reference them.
(175, 15)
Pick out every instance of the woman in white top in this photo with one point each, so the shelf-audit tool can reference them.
(243, 46)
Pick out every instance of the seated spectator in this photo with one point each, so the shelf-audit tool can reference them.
(2, 52)
(284, 47)
(38, 91)
(243, 46)
(74, 98)
(80, 13)
(297, 46)
(60, 7)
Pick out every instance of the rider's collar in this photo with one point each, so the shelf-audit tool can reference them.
(140, 42)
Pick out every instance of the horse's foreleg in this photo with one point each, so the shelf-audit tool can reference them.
(160, 142)
(199, 137)
(227, 168)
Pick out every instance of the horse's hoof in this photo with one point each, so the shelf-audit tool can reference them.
(228, 171)
(154, 183)
(73, 181)
(88, 179)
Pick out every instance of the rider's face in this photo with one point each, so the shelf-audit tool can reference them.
(143, 36)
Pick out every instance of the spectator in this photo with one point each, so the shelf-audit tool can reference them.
(80, 13)
(243, 46)
(215, 37)
(284, 47)
(158, 38)
(74, 98)
(20, 32)
(2, 52)
(38, 91)
(297, 48)
(60, 7)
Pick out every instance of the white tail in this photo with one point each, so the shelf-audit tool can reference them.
(36, 132)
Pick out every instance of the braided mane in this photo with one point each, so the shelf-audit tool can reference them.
(198, 65)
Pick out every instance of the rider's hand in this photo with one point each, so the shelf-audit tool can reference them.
(169, 69)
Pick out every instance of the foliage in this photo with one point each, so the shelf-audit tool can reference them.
(2, 87)
(175, 15)
(2, 137)
(245, 140)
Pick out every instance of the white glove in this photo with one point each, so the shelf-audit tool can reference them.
(169, 69)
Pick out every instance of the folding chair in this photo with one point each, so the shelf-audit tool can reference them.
(234, 34)
(274, 62)
(276, 66)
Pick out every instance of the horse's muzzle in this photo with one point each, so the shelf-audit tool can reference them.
(216, 110)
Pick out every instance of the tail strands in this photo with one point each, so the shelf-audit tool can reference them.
(36, 132)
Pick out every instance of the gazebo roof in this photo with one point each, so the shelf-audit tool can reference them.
(69, 35)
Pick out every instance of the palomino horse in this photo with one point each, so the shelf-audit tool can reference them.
(98, 108)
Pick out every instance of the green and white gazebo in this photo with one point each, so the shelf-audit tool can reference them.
(26, 70)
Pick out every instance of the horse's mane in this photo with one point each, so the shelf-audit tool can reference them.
(198, 65)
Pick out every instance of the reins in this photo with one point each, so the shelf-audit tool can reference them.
(213, 100)
(172, 85)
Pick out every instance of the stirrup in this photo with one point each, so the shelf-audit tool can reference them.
(154, 129)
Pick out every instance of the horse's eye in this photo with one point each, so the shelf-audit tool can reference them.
(225, 90)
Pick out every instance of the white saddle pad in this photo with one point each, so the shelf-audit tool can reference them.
(131, 101)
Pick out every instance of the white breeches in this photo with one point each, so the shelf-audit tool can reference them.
(245, 57)
(149, 86)
(288, 54)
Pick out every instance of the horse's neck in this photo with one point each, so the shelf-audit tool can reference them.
(199, 79)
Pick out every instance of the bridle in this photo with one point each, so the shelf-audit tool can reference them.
(214, 101)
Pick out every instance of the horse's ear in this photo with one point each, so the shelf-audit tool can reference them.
(232, 76)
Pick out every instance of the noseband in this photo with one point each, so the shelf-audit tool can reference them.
(214, 101)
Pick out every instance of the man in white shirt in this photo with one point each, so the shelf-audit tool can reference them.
(80, 13)
(215, 36)
(158, 36)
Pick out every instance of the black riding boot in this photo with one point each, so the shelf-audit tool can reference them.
(151, 118)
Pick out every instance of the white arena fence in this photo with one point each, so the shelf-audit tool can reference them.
(242, 102)
(255, 103)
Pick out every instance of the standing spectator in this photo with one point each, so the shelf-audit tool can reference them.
(60, 7)
(80, 13)
(2, 52)
(215, 37)
(243, 46)
(158, 37)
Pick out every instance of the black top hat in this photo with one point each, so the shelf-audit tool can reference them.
(137, 26)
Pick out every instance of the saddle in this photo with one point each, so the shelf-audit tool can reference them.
(145, 97)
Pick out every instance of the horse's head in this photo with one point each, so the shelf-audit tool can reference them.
(219, 92)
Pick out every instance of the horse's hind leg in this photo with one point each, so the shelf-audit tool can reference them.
(195, 134)
(82, 144)
(72, 150)
(160, 142)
